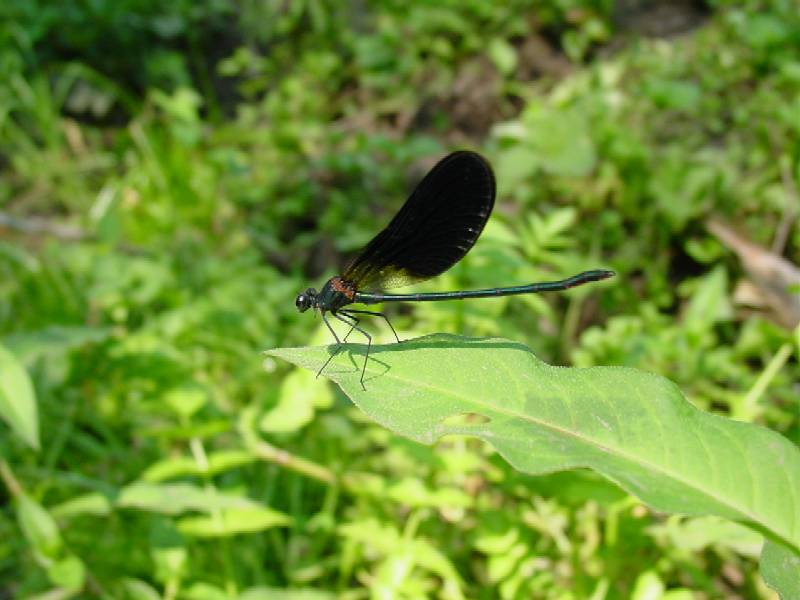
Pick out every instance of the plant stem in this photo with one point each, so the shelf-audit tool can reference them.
(747, 408)
(283, 458)
(8, 478)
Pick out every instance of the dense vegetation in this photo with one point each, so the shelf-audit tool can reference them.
(172, 174)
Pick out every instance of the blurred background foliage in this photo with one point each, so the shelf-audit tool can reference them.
(172, 174)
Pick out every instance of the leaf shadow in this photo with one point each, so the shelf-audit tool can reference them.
(433, 340)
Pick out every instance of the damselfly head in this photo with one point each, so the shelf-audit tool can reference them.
(305, 300)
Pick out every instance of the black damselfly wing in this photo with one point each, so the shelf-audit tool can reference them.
(434, 229)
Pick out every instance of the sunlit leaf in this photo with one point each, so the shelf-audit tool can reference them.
(270, 593)
(697, 533)
(300, 392)
(503, 55)
(136, 589)
(68, 573)
(88, 504)
(176, 498)
(387, 540)
(179, 466)
(561, 139)
(232, 521)
(412, 492)
(17, 399)
(634, 427)
(187, 399)
(38, 526)
(205, 591)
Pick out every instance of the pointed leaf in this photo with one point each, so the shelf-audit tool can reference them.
(93, 503)
(271, 593)
(38, 527)
(232, 521)
(68, 573)
(634, 427)
(176, 498)
(17, 399)
(181, 466)
(136, 589)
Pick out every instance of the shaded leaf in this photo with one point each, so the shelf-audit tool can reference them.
(709, 302)
(54, 341)
(780, 568)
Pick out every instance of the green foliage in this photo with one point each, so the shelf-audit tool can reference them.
(17, 399)
(172, 174)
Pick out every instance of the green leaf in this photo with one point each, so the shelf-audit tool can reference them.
(53, 341)
(561, 140)
(385, 539)
(635, 428)
(412, 492)
(180, 466)
(38, 527)
(764, 31)
(780, 568)
(678, 95)
(300, 393)
(167, 551)
(648, 587)
(187, 399)
(17, 399)
(93, 503)
(205, 591)
(695, 534)
(709, 303)
(136, 589)
(68, 573)
(176, 498)
(271, 593)
(233, 521)
(503, 55)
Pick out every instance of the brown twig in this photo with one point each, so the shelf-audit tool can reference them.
(65, 233)
(35, 225)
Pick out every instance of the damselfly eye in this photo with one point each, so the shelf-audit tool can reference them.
(302, 302)
(305, 300)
